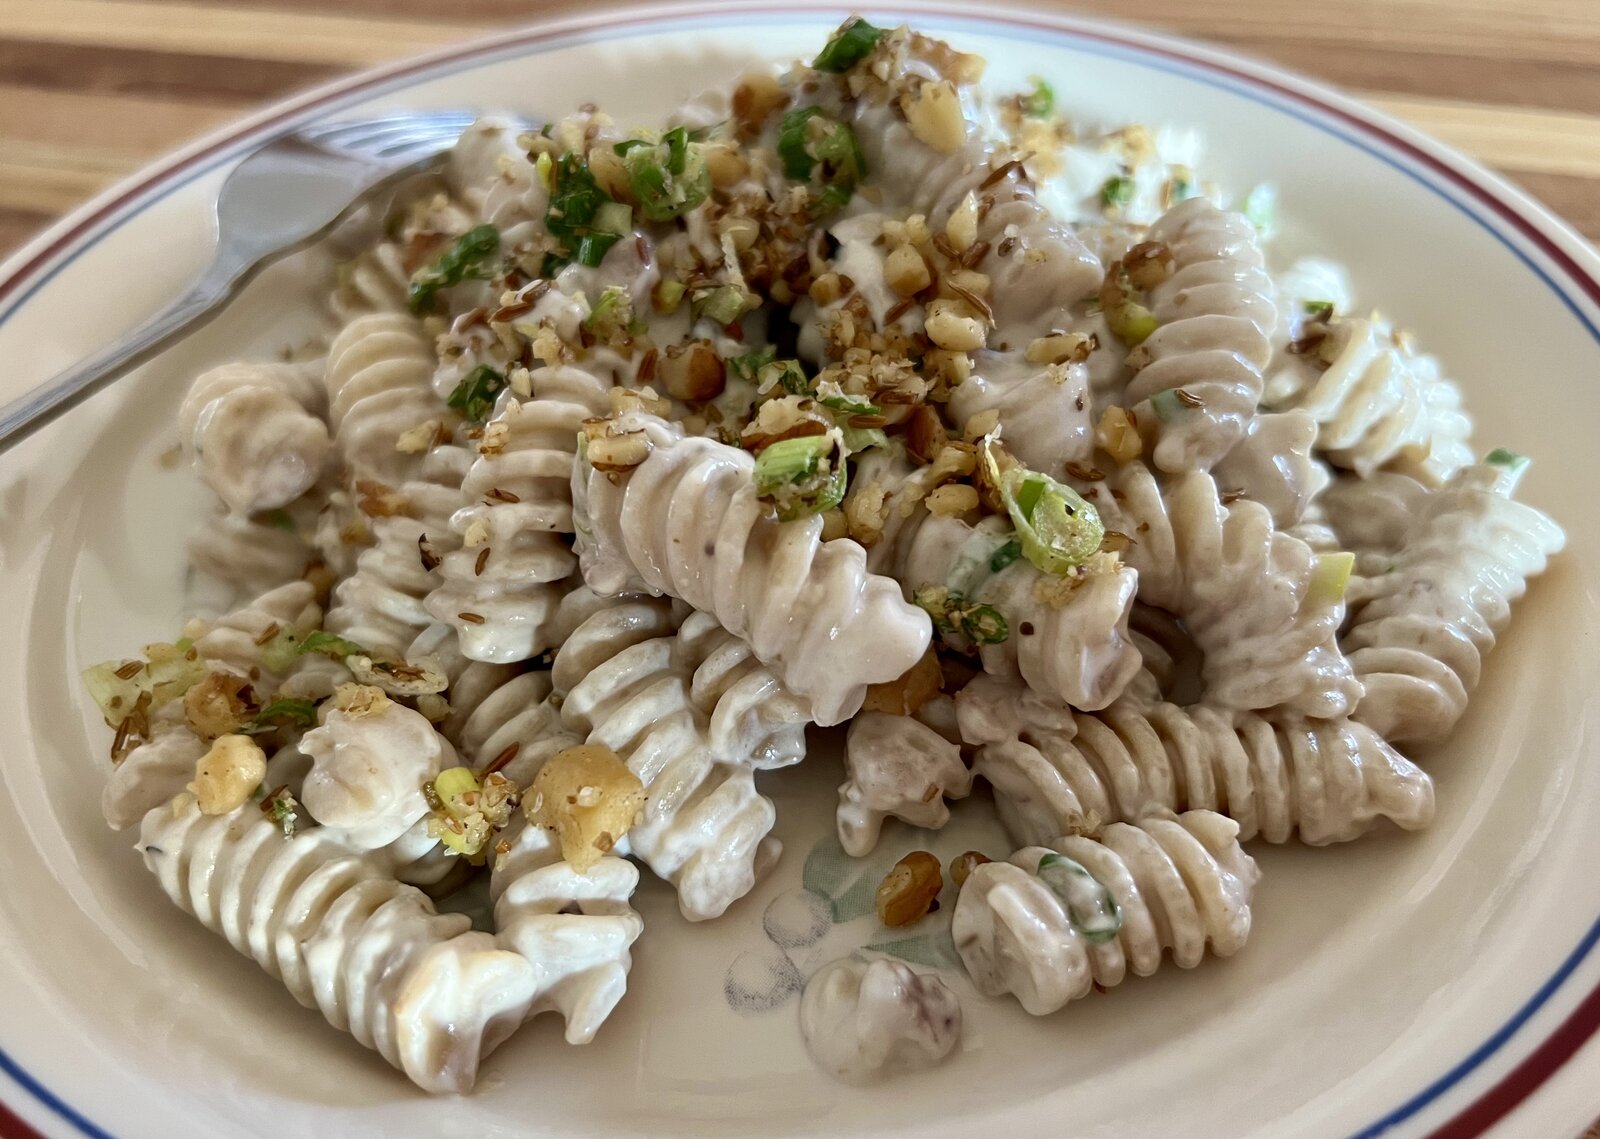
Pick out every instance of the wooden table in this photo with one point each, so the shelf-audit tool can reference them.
(93, 89)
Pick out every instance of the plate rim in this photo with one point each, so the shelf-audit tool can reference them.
(1505, 211)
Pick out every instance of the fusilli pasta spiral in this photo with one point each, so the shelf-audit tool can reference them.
(1242, 589)
(1322, 781)
(1179, 884)
(255, 432)
(507, 575)
(687, 521)
(432, 997)
(895, 765)
(704, 827)
(1421, 624)
(1214, 314)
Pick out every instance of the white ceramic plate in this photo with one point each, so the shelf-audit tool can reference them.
(1402, 985)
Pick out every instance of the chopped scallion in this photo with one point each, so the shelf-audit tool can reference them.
(1330, 577)
(1117, 191)
(330, 644)
(852, 43)
(289, 711)
(1005, 555)
(1057, 528)
(464, 260)
(1040, 102)
(1091, 909)
(667, 179)
(474, 396)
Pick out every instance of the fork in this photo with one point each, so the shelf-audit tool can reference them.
(290, 192)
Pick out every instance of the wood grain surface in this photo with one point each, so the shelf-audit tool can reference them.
(92, 89)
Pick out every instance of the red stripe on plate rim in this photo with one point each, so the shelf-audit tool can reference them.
(1539, 1065)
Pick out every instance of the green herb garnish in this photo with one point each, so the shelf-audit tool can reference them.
(852, 43)
(825, 153)
(1330, 577)
(749, 365)
(574, 216)
(1260, 208)
(1004, 555)
(724, 304)
(1058, 529)
(289, 711)
(802, 476)
(330, 644)
(1040, 102)
(1318, 310)
(279, 519)
(279, 807)
(952, 612)
(474, 396)
(667, 179)
(1117, 191)
(1091, 909)
(464, 260)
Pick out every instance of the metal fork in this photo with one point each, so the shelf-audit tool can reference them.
(280, 198)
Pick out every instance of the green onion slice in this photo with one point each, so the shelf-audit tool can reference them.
(1117, 191)
(667, 179)
(1330, 577)
(290, 711)
(802, 476)
(1057, 528)
(1091, 909)
(474, 396)
(1040, 102)
(464, 260)
(852, 43)
(331, 645)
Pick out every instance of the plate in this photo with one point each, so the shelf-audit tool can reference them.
(1403, 985)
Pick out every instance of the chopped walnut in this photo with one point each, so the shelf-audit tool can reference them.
(359, 699)
(962, 866)
(903, 696)
(587, 795)
(933, 111)
(225, 776)
(692, 372)
(219, 704)
(952, 500)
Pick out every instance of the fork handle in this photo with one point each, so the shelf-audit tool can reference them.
(26, 414)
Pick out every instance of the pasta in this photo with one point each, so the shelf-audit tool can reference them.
(380, 369)
(687, 521)
(1245, 592)
(857, 394)
(1084, 912)
(1378, 402)
(429, 995)
(501, 588)
(380, 604)
(1319, 780)
(1199, 372)
(895, 765)
(753, 717)
(255, 432)
(1422, 624)
(574, 929)
(369, 760)
(704, 827)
